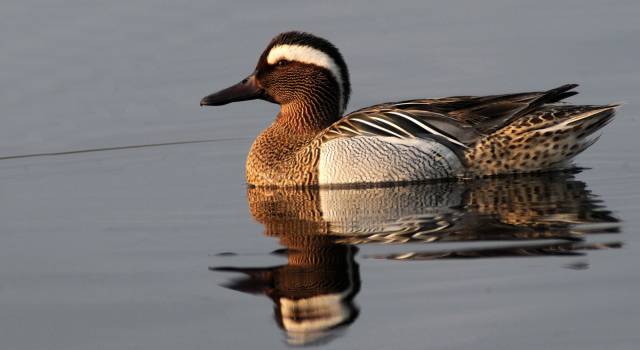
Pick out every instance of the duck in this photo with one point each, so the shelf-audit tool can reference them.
(311, 142)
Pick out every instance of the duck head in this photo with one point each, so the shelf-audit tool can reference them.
(297, 70)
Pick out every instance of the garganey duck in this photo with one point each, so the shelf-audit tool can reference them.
(311, 143)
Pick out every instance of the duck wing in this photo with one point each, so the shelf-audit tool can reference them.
(405, 123)
(457, 121)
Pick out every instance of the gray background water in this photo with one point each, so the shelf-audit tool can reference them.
(109, 250)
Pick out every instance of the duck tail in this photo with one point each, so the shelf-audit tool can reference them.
(581, 128)
(547, 139)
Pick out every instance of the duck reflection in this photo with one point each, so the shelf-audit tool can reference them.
(314, 292)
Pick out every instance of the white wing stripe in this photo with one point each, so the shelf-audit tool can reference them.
(412, 103)
(394, 125)
(377, 127)
(427, 128)
(349, 129)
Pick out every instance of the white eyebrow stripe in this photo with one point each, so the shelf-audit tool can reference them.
(308, 55)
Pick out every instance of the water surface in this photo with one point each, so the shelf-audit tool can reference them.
(164, 247)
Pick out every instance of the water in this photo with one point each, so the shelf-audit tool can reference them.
(156, 247)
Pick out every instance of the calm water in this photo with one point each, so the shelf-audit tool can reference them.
(163, 247)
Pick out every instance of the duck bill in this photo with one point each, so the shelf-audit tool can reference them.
(247, 89)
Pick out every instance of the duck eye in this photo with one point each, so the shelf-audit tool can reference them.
(282, 63)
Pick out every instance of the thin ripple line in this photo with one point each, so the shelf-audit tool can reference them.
(117, 148)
